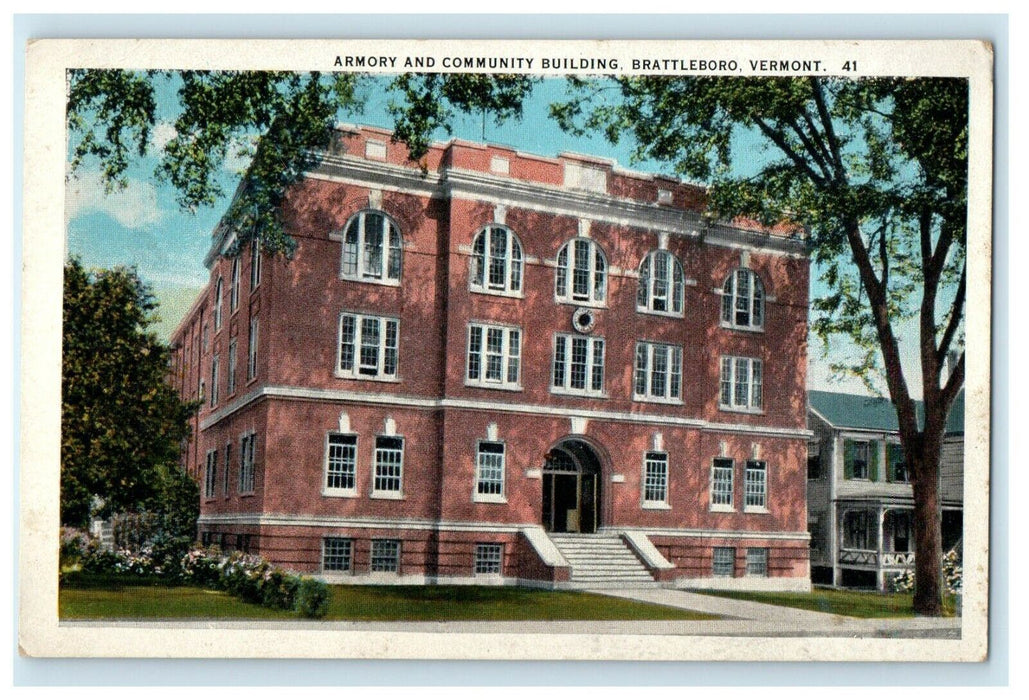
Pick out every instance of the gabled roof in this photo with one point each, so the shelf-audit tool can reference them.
(871, 413)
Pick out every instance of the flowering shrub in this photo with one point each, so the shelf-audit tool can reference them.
(904, 582)
(73, 545)
(245, 576)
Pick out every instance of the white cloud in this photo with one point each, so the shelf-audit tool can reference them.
(133, 207)
(162, 133)
(241, 152)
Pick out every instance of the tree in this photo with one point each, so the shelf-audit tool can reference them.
(122, 424)
(876, 171)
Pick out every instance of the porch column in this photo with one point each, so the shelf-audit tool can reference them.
(881, 515)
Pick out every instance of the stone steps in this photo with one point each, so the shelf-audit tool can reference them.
(602, 561)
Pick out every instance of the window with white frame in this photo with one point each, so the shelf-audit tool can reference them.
(215, 361)
(372, 248)
(857, 455)
(757, 561)
(721, 483)
(255, 265)
(655, 478)
(337, 554)
(723, 562)
(755, 485)
(341, 462)
(211, 474)
(385, 556)
(741, 384)
(494, 356)
(489, 557)
(368, 346)
(658, 372)
(218, 305)
(389, 465)
(581, 272)
(661, 284)
(496, 261)
(252, 350)
(897, 465)
(246, 462)
(743, 300)
(489, 472)
(230, 380)
(234, 285)
(578, 364)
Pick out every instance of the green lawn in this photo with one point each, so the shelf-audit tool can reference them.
(84, 597)
(838, 602)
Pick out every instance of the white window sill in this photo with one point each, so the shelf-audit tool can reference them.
(654, 399)
(246, 494)
(489, 385)
(387, 495)
(370, 280)
(487, 498)
(655, 505)
(745, 329)
(664, 314)
(559, 391)
(741, 409)
(339, 493)
(581, 302)
(366, 377)
(755, 509)
(717, 508)
(496, 292)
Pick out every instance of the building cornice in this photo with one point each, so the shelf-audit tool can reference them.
(350, 397)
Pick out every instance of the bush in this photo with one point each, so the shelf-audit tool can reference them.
(904, 582)
(73, 547)
(312, 598)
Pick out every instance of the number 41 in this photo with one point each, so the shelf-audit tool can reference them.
(850, 66)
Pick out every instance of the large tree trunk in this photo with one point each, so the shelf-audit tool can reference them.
(928, 544)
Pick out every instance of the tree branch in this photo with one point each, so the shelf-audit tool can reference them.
(813, 150)
(778, 140)
(830, 132)
(956, 314)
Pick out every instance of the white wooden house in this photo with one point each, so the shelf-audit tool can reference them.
(859, 498)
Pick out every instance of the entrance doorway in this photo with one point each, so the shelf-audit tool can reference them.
(571, 488)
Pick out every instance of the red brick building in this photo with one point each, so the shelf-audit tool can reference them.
(504, 368)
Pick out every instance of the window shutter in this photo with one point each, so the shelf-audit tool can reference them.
(873, 460)
(848, 459)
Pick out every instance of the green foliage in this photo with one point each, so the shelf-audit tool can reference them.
(312, 598)
(121, 423)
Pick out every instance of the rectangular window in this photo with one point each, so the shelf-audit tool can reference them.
(215, 361)
(814, 460)
(857, 456)
(755, 485)
(234, 285)
(230, 387)
(655, 478)
(386, 555)
(494, 356)
(489, 480)
(255, 265)
(488, 558)
(658, 372)
(246, 463)
(389, 464)
(368, 346)
(741, 383)
(578, 364)
(723, 562)
(855, 529)
(337, 554)
(757, 561)
(898, 467)
(341, 463)
(252, 350)
(721, 483)
(211, 475)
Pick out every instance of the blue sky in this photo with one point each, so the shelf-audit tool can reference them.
(143, 225)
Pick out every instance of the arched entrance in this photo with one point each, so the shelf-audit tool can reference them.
(571, 488)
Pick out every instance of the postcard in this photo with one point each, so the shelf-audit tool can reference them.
(506, 349)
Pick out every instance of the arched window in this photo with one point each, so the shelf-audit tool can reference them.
(743, 300)
(372, 248)
(497, 261)
(581, 272)
(661, 284)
